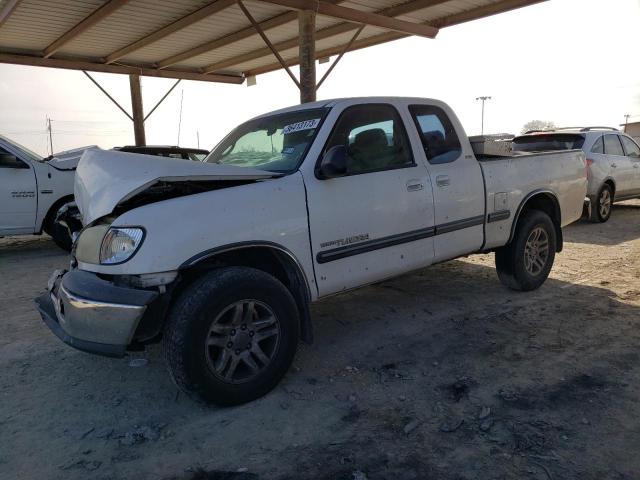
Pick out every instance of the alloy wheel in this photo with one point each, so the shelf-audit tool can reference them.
(536, 251)
(242, 341)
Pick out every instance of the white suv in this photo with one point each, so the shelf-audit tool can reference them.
(613, 161)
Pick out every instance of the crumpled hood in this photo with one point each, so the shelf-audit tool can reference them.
(68, 160)
(105, 179)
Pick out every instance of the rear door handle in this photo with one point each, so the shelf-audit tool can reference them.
(613, 165)
(636, 165)
(414, 185)
(443, 180)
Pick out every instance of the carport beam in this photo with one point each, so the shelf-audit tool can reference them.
(307, 55)
(136, 108)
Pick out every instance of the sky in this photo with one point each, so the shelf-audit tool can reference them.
(572, 62)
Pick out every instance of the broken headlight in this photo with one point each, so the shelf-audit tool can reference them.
(119, 244)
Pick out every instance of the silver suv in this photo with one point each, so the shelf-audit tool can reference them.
(613, 161)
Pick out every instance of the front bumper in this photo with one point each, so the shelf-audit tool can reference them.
(92, 314)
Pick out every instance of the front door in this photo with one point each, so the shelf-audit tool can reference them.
(375, 220)
(18, 196)
(458, 188)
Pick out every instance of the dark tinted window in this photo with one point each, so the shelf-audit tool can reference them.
(630, 147)
(375, 138)
(439, 138)
(547, 142)
(612, 145)
(598, 147)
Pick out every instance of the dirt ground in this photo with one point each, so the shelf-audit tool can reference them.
(441, 374)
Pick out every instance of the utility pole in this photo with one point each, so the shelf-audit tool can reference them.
(483, 99)
(626, 121)
(180, 120)
(50, 135)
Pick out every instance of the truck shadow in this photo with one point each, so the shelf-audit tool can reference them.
(433, 347)
(623, 226)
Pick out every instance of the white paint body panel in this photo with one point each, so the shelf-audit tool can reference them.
(300, 212)
(27, 195)
(273, 211)
(559, 173)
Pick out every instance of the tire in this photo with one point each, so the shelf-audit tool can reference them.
(601, 211)
(514, 268)
(207, 311)
(61, 236)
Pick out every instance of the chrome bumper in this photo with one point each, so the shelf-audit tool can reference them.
(92, 314)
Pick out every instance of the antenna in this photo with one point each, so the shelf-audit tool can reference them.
(50, 135)
(180, 120)
(198, 137)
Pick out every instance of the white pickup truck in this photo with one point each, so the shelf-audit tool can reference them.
(33, 190)
(220, 260)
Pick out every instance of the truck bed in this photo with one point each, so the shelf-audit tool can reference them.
(509, 178)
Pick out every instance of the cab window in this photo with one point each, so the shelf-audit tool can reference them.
(374, 137)
(439, 138)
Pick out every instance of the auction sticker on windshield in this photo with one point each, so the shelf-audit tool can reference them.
(296, 127)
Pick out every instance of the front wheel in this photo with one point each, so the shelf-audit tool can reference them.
(231, 336)
(61, 236)
(525, 263)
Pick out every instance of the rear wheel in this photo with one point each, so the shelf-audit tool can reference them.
(601, 211)
(525, 263)
(231, 336)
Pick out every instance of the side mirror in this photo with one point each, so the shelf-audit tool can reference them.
(333, 163)
(11, 161)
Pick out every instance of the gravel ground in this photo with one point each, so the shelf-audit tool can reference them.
(440, 374)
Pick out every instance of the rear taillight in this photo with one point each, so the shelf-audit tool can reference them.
(587, 167)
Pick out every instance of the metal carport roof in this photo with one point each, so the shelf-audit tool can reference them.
(216, 41)
(211, 40)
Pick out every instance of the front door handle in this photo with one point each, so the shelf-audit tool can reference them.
(414, 185)
(635, 165)
(443, 180)
(613, 165)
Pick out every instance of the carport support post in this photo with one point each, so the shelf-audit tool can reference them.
(136, 107)
(307, 55)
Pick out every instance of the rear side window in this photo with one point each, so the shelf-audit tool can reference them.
(548, 142)
(375, 139)
(598, 147)
(439, 138)
(630, 147)
(612, 145)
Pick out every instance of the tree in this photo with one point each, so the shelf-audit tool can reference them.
(538, 125)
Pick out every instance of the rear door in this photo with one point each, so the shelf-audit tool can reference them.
(376, 220)
(622, 169)
(18, 197)
(458, 187)
(632, 152)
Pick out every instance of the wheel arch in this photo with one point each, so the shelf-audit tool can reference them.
(612, 183)
(547, 202)
(269, 257)
(53, 209)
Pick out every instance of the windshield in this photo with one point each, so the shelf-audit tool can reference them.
(23, 151)
(276, 143)
(545, 143)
